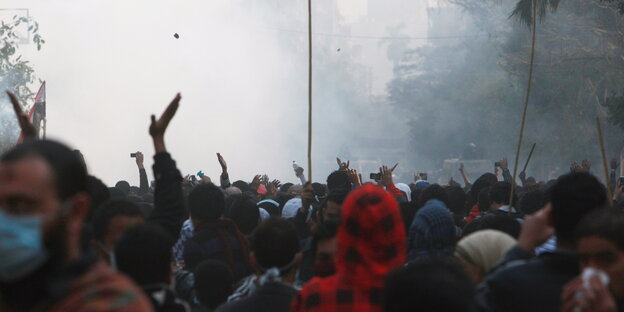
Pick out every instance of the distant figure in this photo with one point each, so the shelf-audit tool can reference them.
(470, 152)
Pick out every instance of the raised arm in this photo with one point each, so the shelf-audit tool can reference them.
(28, 129)
(168, 200)
(225, 177)
(467, 182)
(143, 183)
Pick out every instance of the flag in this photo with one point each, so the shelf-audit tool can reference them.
(37, 114)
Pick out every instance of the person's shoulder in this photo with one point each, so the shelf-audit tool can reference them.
(102, 289)
(318, 285)
(517, 273)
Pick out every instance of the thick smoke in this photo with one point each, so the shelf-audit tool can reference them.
(241, 67)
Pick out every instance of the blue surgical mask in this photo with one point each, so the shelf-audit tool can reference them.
(21, 246)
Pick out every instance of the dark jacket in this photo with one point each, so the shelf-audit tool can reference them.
(164, 299)
(218, 240)
(269, 297)
(525, 284)
(168, 201)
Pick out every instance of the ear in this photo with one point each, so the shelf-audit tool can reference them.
(551, 221)
(80, 206)
(253, 261)
(298, 259)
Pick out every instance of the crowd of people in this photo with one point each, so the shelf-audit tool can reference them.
(70, 243)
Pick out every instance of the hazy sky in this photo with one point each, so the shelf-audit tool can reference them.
(109, 64)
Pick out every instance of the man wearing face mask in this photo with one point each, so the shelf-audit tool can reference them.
(43, 205)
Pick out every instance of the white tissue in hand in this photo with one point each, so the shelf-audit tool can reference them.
(588, 273)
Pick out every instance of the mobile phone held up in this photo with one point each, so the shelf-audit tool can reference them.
(133, 155)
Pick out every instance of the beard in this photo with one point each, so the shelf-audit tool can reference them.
(19, 295)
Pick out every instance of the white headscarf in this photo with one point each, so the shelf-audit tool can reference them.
(291, 207)
(405, 189)
(483, 249)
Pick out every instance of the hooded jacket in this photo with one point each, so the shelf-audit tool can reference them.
(371, 242)
(433, 232)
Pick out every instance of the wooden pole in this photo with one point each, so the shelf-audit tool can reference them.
(310, 90)
(604, 161)
(526, 164)
(526, 104)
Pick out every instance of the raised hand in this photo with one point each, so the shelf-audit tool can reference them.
(575, 167)
(28, 129)
(299, 171)
(139, 160)
(342, 166)
(386, 175)
(158, 127)
(461, 167)
(222, 163)
(504, 164)
(276, 183)
(595, 298)
(586, 165)
(536, 229)
(255, 183)
(354, 177)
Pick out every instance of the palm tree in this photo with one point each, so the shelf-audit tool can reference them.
(523, 10)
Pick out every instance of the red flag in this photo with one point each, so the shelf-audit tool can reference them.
(37, 113)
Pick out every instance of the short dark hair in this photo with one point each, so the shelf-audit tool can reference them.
(143, 252)
(338, 195)
(605, 223)
(241, 185)
(433, 191)
(206, 202)
(245, 213)
(319, 189)
(275, 243)
(485, 180)
(69, 171)
(429, 285)
(110, 209)
(284, 188)
(116, 193)
(416, 191)
(98, 192)
(572, 197)
(500, 192)
(214, 283)
(338, 179)
(532, 201)
(456, 200)
(500, 222)
(483, 199)
(123, 186)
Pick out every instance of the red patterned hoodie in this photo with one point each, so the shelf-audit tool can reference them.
(371, 243)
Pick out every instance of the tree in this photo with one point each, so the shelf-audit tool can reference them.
(16, 74)
(471, 91)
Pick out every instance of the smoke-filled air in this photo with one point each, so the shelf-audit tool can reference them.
(426, 84)
(311, 155)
